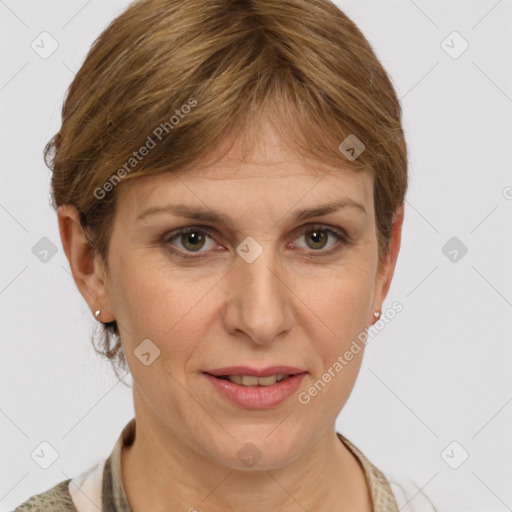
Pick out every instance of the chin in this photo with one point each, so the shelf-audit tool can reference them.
(259, 451)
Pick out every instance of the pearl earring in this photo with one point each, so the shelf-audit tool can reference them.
(376, 314)
(97, 313)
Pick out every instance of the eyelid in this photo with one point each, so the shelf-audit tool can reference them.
(339, 233)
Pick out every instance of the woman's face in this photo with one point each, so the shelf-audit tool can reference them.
(257, 293)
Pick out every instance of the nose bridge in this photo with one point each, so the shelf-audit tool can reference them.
(260, 306)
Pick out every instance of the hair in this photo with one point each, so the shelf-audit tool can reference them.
(181, 77)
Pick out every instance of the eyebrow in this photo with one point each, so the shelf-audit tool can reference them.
(193, 212)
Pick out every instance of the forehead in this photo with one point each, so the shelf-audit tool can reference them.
(262, 173)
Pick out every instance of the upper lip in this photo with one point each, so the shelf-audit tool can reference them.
(247, 370)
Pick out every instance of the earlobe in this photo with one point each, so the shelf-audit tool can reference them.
(81, 258)
(376, 316)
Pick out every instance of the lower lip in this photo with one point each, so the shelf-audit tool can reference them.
(257, 397)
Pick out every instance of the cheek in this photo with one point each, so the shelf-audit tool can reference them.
(154, 301)
(146, 299)
(338, 317)
(341, 303)
(338, 344)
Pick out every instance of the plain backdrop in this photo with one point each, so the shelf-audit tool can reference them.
(435, 386)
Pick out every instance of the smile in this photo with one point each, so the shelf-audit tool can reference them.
(251, 392)
(251, 380)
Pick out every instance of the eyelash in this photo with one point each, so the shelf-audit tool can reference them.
(340, 235)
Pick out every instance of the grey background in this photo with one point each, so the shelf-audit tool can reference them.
(438, 373)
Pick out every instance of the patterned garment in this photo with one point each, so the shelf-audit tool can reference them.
(101, 488)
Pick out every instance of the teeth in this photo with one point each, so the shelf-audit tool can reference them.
(251, 380)
(236, 379)
(266, 381)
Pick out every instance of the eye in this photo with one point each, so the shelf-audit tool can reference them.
(192, 239)
(317, 236)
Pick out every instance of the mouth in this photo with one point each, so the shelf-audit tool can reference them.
(252, 380)
(247, 376)
(256, 389)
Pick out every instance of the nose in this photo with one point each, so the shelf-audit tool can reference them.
(258, 305)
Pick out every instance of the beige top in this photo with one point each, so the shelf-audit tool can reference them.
(101, 487)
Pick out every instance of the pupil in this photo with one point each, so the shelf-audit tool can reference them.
(317, 236)
(192, 238)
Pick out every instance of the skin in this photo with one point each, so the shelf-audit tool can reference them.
(219, 310)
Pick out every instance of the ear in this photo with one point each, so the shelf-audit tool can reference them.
(386, 267)
(87, 271)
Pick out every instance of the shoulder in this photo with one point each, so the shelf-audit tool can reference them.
(409, 495)
(80, 494)
(381, 493)
(55, 499)
(84, 492)
(391, 492)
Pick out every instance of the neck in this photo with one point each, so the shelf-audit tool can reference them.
(161, 473)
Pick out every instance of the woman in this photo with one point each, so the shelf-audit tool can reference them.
(229, 180)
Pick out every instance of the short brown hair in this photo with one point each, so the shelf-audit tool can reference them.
(303, 62)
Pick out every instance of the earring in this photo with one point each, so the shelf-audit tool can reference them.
(376, 314)
(97, 313)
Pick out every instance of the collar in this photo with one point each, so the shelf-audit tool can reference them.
(113, 493)
(382, 495)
